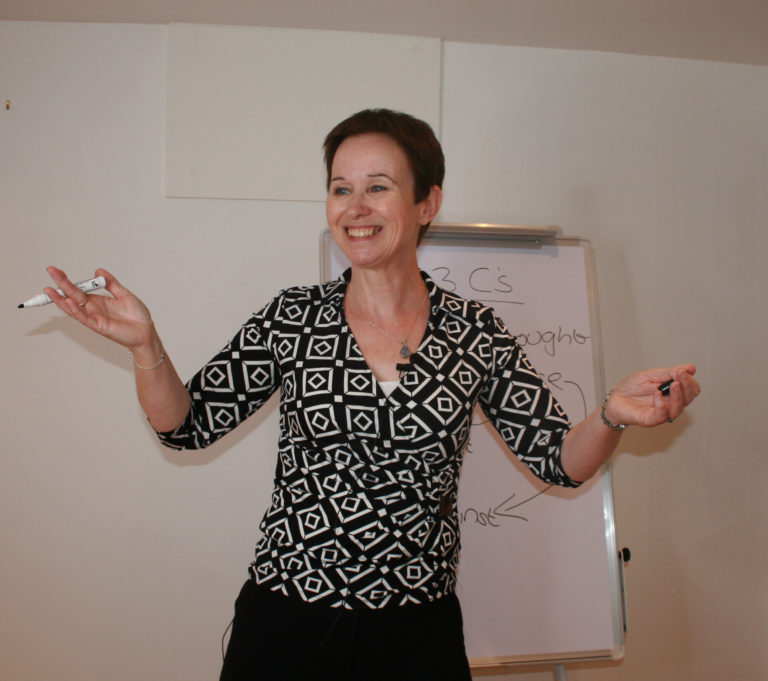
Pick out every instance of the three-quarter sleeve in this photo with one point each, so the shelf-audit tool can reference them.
(229, 388)
(523, 410)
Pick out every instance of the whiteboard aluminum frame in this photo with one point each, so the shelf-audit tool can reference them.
(536, 236)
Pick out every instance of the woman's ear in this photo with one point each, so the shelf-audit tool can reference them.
(430, 206)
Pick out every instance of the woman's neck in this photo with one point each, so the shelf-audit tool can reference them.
(388, 317)
(387, 295)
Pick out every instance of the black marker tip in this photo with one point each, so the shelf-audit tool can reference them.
(19, 306)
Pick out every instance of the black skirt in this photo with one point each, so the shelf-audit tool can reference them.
(278, 638)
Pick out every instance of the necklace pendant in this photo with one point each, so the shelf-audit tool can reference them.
(405, 351)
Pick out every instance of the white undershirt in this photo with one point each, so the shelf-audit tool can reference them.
(388, 386)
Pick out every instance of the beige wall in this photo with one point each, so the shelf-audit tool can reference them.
(121, 560)
(662, 164)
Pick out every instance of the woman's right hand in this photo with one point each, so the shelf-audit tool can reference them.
(122, 318)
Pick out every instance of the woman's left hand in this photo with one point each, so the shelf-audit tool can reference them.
(637, 400)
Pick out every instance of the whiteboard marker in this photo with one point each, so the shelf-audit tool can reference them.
(85, 286)
(664, 387)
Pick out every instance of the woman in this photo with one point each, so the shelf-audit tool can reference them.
(379, 372)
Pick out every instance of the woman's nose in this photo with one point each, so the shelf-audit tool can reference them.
(358, 205)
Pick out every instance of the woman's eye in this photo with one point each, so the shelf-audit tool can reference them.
(378, 188)
(339, 191)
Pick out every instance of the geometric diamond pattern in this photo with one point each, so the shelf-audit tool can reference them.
(363, 512)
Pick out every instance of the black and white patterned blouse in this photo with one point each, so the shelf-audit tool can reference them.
(363, 512)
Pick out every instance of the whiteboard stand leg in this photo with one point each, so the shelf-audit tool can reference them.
(560, 674)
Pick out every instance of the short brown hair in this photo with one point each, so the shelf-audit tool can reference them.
(413, 136)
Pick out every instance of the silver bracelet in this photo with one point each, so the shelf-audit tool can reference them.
(612, 426)
(154, 366)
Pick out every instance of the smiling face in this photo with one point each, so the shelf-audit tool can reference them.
(371, 211)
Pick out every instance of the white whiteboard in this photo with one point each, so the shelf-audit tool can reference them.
(538, 578)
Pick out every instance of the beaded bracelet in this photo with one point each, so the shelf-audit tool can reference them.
(606, 421)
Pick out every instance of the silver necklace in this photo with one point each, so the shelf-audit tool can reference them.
(405, 351)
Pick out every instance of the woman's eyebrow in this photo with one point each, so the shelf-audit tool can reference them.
(341, 178)
(389, 177)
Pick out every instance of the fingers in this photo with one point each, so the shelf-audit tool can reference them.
(689, 386)
(84, 308)
(652, 406)
(670, 405)
(682, 391)
(73, 301)
(58, 276)
(113, 285)
(644, 383)
(683, 368)
(681, 375)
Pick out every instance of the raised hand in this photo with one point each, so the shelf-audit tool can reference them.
(637, 400)
(122, 318)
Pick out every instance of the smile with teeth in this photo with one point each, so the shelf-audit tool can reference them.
(361, 232)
